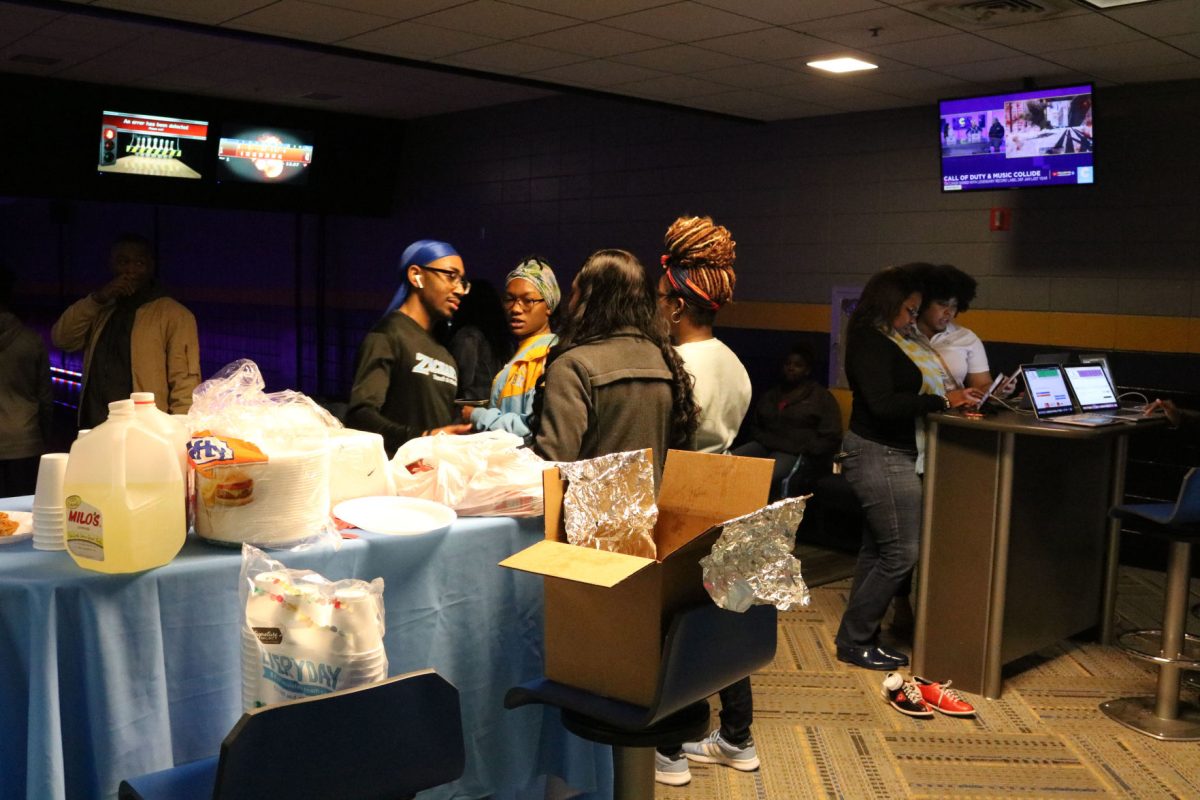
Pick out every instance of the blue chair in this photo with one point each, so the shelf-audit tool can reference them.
(706, 649)
(388, 740)
(1164, 716)
(806, 471)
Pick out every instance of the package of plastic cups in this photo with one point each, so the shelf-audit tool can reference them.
(304, 635)
(49, 514)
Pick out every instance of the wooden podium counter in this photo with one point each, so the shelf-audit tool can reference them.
(1017, 550)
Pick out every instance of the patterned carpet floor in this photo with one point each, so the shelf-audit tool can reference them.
(823, 731)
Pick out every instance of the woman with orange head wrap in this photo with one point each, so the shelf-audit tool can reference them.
(697, 280)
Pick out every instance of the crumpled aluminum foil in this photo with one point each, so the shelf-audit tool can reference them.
(751, 563)
(609, 504)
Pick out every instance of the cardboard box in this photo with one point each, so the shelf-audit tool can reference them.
(607, 613)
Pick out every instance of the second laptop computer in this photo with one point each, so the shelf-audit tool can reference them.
(1051, 398)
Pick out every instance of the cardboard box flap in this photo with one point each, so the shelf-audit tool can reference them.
(715, 487)
(553, 490)
(580, 564)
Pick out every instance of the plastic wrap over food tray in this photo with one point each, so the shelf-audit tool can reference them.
(751, 563)
(609, 503)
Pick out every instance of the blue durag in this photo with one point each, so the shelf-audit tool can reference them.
(421, 253)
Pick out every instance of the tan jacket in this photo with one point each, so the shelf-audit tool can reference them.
(164, 348)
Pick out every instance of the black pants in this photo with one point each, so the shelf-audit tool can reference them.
(18, 476)
(737, 712)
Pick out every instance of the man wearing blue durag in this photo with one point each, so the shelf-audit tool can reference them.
(404, 382)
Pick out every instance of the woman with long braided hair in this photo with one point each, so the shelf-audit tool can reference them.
(613, 382)
(697, 280)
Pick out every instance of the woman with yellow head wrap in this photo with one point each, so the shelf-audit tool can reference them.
(531, 294)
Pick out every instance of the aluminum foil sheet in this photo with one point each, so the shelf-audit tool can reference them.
(751, 563)
(609, 504)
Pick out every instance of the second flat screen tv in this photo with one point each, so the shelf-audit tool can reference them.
(258, 154)
(1040, 137)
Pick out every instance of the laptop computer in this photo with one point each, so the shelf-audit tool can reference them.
(1050, 397)
(1094, 392)
(1102, 360)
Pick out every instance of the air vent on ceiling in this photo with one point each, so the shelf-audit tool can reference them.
(41, 61)
(321, 96)
(996, 12)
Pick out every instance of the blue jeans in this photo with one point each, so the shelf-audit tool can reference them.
(886, 483)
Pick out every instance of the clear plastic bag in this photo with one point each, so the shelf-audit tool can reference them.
(478, 475)
(261, 462)
(303, 635)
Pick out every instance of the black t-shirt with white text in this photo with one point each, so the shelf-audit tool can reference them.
(404, 382)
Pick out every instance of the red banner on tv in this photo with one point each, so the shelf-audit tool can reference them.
(289, 154)
(158, 126)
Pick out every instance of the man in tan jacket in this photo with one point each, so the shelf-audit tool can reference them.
(134, 338)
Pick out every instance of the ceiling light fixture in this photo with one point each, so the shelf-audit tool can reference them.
(842, 65)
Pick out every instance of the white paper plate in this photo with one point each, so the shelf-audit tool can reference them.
(24, 527)
(401, 516)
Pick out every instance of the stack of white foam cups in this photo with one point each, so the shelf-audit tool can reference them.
(49, 515)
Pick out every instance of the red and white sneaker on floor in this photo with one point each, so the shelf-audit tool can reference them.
(941, 697)
(904, 696)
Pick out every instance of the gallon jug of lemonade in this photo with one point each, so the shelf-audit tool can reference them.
(169, 427)
(124, 496)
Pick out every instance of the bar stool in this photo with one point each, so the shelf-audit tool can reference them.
(706, 649)
(1165, 716)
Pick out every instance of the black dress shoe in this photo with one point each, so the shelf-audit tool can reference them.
(866, 657)
(898, 658)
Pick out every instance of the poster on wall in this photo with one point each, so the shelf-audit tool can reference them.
(842, 304)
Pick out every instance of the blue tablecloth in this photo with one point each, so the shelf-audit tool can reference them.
(106, 677)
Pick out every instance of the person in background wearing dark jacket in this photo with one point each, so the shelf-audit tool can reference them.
(26, 401)
(613, 382)
(895, 380)
(996, 136)
(1186, 421)
(480, 341)
(797, 418)
(404, 382)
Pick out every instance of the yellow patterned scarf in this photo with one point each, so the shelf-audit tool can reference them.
(934, 379)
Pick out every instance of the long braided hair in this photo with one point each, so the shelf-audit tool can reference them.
(699, 266)
(612, 292)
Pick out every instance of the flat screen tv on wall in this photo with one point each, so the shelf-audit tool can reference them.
(1037, 137)
(140, 144)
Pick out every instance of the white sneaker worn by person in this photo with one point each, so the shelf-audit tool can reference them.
(671, 771)
(713, 749)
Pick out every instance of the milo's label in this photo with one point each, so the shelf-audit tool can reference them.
(85, 529)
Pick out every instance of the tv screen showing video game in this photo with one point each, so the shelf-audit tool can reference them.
(140, 144)
(1041, 137)
(257, 154)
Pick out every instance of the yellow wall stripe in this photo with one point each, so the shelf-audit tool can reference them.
(776, 316)
(1103, 332)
